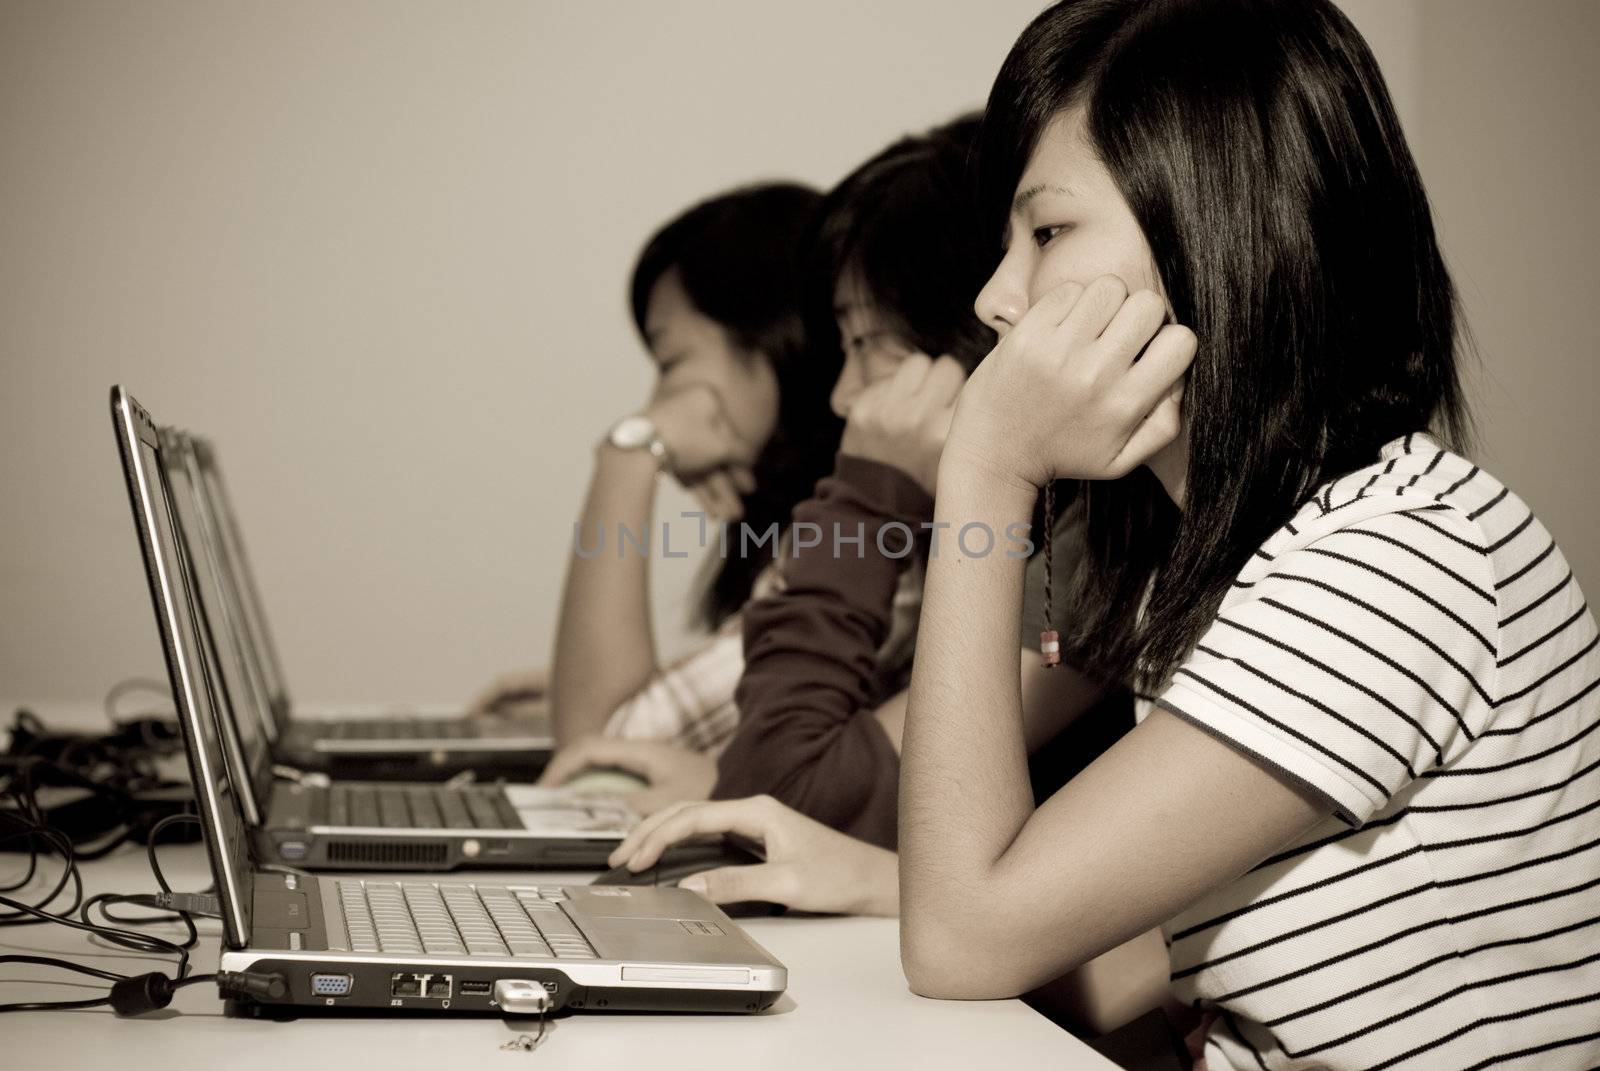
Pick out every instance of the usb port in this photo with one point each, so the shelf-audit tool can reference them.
(476, 989)
(293, 849)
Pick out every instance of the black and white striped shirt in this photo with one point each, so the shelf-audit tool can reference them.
(1412, 646)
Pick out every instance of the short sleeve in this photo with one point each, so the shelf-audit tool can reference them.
(1355, 660)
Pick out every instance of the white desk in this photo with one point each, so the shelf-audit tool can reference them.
(847, 1006)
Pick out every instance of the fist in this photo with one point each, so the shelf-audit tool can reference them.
(694, 424)
(1087, 385)
(903, 420)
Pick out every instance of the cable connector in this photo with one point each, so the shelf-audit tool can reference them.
(251, 985)
(141, 993)
(204, 904)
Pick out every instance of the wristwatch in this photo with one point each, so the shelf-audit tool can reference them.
(639, 433)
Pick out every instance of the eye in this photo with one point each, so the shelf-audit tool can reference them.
(1043, 235)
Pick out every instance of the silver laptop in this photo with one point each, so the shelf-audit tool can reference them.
(320, 824)
(405, 746)
(416, 945)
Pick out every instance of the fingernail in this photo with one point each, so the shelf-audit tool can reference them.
(694, 883)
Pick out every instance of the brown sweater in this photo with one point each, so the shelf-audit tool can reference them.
(806, 732)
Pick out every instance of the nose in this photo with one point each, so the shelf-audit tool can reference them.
(847, 388)
(1004, 298)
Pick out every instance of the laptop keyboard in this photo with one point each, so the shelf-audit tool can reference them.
(418, 917)
(420, 807)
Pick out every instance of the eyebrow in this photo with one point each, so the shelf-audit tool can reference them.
(1035, 190)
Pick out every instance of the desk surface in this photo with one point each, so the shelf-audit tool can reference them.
(847, 1005)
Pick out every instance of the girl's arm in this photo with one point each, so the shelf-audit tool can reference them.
(1166, 815)
(805, 733)
(605, 648)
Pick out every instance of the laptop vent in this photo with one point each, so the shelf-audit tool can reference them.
(379, 854)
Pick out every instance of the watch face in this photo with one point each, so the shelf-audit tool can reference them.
(633, 433)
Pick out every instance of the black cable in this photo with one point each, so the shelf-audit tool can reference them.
(105, 768)
(104, 900)
(129, 686)
(139, 993)
(141, 942)
(23, 914)
(55, 1005)
(114, 771)
(33, 914)
(33, 861)
(45, 961)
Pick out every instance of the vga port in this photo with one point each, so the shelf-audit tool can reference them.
(331, 985)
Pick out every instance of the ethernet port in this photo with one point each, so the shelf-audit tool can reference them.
(407, 985)
(436, 986)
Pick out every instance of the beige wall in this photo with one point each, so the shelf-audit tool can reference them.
(378, 251)
(1510, 148)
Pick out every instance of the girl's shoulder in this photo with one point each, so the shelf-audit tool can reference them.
(1423, 535)
(1416, 495)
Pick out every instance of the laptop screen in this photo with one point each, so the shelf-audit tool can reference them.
(242, 702)
(236, 567)
(189, 666)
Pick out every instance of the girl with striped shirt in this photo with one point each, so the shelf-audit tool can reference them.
(1363, 806)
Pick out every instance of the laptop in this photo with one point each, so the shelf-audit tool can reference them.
(407, 746)
(314, 822)
(417, 945)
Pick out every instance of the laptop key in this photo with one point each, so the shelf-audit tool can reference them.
(337, 798)
(392, 808)
(364, 808)
(481, 806)
(559, 931)
(453, 809)
(507, 814)
(424, 808)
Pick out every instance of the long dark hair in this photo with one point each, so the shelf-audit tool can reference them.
(1256, 145)
(905, 223)
(738, 256)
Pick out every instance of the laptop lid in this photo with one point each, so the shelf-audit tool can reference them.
(210, 531)
(258, 643)
(241, 698)
(188, 665)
